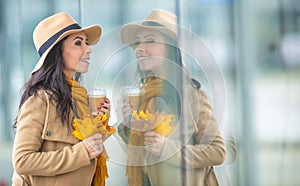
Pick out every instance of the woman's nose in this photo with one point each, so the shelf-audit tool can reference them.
(88, 49)
(139, 48)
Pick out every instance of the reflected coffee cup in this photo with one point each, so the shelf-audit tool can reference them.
(134, 96)
(96, 96)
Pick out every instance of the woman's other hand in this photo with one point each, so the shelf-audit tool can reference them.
(94, 145)
(126, 112)
(154, 142)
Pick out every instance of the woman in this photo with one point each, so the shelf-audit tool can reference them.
(45, 151)
(154, 43)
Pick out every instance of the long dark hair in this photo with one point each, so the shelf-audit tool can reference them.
(50, 78)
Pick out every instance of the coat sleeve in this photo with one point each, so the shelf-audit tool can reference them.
(28, 159)
(206, 147)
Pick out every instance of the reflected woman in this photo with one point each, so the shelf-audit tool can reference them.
(153, 132)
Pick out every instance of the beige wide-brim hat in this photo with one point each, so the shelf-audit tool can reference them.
(53, 29)
(158, 20)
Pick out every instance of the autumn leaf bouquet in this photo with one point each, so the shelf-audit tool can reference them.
(159, 122)
(90, 125)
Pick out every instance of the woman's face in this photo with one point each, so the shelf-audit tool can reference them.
(151, 49)
(76, 54)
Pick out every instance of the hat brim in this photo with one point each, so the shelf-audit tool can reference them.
(93, 34)
(128, 32)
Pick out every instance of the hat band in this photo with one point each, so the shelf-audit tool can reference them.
(152, 23)
(52, 39)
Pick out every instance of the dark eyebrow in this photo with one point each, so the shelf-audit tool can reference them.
(78, 37)
(149, 35)
(146, 36)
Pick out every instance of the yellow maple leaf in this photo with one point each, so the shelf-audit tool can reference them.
(76, 132)
(90, 125)
(158, 122)
(164, 127)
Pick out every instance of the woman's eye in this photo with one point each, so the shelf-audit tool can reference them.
(150, 40)
(78, 43)
(136, 42)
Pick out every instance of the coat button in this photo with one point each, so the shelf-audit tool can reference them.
(48, 133)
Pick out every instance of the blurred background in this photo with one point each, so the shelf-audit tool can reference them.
(256, 45)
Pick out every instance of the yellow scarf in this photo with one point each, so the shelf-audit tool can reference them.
(86, 125)
(151, 88)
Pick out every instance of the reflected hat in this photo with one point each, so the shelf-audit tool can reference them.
(53, 29)
(159, 20)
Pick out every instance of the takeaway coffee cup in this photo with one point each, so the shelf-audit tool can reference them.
(133, 94)
(96, 96)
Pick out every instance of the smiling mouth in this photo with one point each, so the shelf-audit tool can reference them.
(85, 61)
(142, 58)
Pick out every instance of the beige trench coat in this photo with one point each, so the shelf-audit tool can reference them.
(204, 149)
(44, 152)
